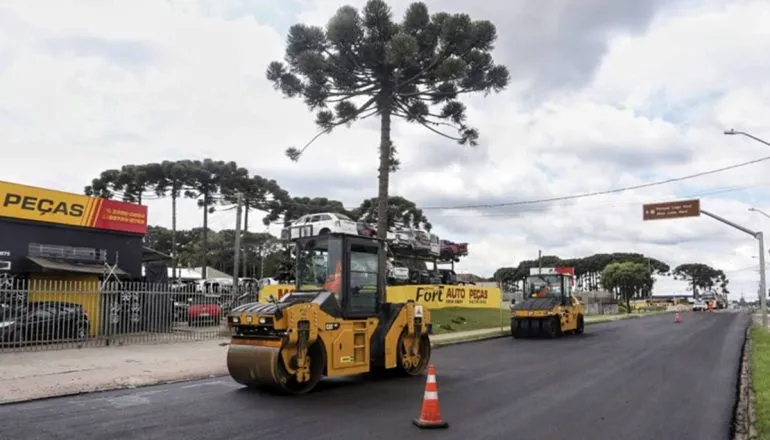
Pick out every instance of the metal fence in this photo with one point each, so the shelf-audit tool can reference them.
(50, 314)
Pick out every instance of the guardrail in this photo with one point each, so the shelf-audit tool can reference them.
(50, 314)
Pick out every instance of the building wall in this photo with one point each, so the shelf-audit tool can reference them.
(73, 288)
(15, 237)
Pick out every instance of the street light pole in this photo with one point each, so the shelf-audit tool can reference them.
(760, 238)
(763, 294)
(763, 287)
(732, 132)
(759, 235)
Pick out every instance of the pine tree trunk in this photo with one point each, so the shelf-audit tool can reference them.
(245, 232)
(383, 181)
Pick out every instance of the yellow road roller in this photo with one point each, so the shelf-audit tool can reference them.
(335, 323)
(548, 308)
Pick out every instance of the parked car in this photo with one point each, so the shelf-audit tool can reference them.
(180, 308)
(203, 309)
(422, 241)
(448, 276)
(398, 273)
(324, 223)
(402, 237)
(43, 321)
(366, 229)
(699, 306)
(452, 251)
(435, 245)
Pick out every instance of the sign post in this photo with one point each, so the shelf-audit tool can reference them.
(691, 208)
(669, 210)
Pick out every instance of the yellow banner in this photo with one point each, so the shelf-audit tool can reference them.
(433, 296)
(439, 296)
(44, 205)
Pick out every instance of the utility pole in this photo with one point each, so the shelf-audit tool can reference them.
(237, 250)
(261, 261)
(540, 261)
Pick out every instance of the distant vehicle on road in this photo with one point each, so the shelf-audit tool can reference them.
(699, 306)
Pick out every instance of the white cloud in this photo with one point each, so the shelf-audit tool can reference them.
(93, 85)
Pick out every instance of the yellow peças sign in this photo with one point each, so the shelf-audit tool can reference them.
(433, 296)
(44, 205)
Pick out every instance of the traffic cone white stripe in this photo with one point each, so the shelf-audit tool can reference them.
(431, 395)
(431, 379)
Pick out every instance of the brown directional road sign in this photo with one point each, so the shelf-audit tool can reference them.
(668, 210)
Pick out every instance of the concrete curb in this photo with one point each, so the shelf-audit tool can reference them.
(495, 333)
(742, 425)
(116, 387)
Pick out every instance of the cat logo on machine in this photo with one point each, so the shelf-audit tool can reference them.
(332, 325)
(346, 359)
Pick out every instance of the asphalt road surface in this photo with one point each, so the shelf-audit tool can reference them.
(645, 378)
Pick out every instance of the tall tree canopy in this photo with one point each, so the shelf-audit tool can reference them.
(628, 279)
(209, 182)
(399, 210)
(702, 277)
(588, 269)
(263, 250)
(365, 64)
(215, 182)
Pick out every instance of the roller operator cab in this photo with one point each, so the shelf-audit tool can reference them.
(336, 323)
(548, 308)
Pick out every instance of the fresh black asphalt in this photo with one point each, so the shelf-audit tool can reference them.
(638, 379)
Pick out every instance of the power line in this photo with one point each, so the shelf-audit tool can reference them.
(218, 198)
(604, 205)
(599, 193)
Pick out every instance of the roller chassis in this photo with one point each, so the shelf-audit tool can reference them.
(548, 325)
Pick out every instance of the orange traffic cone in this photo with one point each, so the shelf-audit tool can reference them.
(677, 319)
(430, 415)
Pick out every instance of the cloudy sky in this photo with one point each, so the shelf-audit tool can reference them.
(605, 94)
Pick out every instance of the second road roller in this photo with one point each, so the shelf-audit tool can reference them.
(336, 322)
(548, 308)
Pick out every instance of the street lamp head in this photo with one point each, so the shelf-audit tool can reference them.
(752, 209)
(730, 131)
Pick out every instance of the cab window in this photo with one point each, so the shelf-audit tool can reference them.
(362, 281)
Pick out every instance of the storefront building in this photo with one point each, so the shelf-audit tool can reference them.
(48, 234)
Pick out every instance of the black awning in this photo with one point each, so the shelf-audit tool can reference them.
(40, 264)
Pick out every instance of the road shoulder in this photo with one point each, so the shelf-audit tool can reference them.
(760, 380)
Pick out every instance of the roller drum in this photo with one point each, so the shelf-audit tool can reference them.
(260, 366)
(255, 366)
